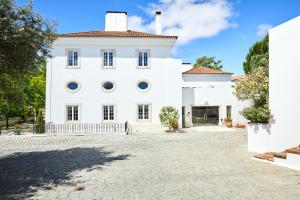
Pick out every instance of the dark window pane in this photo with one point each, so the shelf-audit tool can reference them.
(72, 85)
(108, 85)
(140, 58)
(111, 112)
(69, 113)
(143, 85)
(75, 112)
(105, 112)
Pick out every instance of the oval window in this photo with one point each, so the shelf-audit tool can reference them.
(143, 85)
(72, 86)
(108, 85)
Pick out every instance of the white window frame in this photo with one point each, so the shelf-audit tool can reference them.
(66, 113)
(143, 51)
(78, 59)
(109, 113)
(113, 66)
(149, 112)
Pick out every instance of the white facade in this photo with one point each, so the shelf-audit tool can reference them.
(211, 90)
(89, 61)
(285, 85)
(162, 75)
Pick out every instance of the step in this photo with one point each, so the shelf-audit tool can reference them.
(295, 150)
(265, 156)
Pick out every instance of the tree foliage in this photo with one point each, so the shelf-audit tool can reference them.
(25, 43)
(258, 56)
(35, 90)
(40, 123)
(169, 117)
(25, 38)
(210, 62)
(255, 88)
(12, 97)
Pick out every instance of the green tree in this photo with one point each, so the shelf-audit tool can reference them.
(40, 123)
(258, 55)
(210, 62)
(25, 38)
(169, 117)
(11, 96)
(36, 90)
(25, 43)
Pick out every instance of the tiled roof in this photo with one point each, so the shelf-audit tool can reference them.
(204, 70)
(129, 33)
(237, 78)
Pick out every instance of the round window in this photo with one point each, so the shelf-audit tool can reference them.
(143, 85)
(73, 86)
(108, 85)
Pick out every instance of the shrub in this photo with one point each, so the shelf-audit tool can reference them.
(169, 117)
(255, 88)
(257, 114)
(40, 123)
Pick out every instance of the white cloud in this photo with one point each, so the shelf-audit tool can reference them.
(263, 29)
(189, 19)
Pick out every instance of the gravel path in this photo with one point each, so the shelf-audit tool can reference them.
(165, 166)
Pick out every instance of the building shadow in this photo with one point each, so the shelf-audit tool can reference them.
(23, 173)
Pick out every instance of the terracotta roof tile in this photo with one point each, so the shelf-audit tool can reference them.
(204, 70)
(129, 33)
(237, 78)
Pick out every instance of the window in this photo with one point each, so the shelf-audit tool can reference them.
(72, 59)
(228, 112)
(143, 86)
(108, 112)
(143, 112)
(72, 113)
(143, 58)
(72, 86)
(108, 86)
(108, 58)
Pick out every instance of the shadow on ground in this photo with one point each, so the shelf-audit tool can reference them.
(21, 174)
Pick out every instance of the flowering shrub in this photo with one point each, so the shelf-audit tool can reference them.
(169, 117)
(255, 88)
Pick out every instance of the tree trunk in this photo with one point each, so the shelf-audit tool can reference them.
(6, 124)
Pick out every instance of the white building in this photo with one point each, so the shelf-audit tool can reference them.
(118, 75)
(284, 85)
(207, 97)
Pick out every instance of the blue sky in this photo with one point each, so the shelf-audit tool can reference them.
(235, 23)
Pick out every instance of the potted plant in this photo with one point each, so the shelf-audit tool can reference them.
(17, 130)
(169, 117)
(228, 122)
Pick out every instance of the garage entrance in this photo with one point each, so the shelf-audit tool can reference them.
(205, 115)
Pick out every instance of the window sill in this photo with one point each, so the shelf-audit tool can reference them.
(143, 67)
(108, 67)
(72, 67)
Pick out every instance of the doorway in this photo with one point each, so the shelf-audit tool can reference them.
(205, 115)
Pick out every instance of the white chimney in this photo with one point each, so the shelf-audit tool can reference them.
(158, 22)
(116, 21)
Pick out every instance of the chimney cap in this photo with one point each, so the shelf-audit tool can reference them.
(158, 12)
(110, 11)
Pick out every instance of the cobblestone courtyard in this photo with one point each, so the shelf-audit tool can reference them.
(212, 165)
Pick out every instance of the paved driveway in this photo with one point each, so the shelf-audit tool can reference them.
(212, 165)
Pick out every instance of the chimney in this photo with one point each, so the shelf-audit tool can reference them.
(158, 22)
(116, 21)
